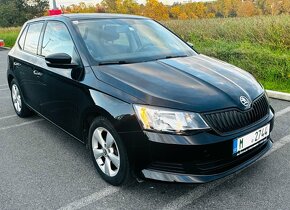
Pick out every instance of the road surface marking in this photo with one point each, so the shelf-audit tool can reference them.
(78, 204)
(4, 85)
(278, 144)
(6, 117)
(283, 111)
(5, 89)
(20, 124)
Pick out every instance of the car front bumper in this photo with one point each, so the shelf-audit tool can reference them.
(202, 178)
(197, 158)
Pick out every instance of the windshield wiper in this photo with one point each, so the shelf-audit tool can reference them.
(102, 63)
(113, 62)
(175, 56)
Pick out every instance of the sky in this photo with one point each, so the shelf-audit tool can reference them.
(69, 2)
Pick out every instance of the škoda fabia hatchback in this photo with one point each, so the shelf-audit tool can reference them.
(146, 103)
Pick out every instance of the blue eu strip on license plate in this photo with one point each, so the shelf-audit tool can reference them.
(235, 146)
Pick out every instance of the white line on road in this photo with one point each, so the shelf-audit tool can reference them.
(78, 204)
(9, 116)
(20, 124)
(278, 144)
(195, 194)
(283, 111)
(5, 89)
(4, 85)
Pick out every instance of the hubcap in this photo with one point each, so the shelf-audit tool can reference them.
(106, 151)
(16, 98)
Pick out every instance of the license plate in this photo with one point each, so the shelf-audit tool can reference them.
(247, 142)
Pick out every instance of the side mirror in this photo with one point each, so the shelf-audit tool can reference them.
(60, 60)
(190, 44)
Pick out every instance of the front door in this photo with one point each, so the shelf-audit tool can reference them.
(60, 102)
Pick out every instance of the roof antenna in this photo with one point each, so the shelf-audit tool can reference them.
(54, 10)
(54, 4)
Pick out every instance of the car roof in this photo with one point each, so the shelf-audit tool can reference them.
(86, 16)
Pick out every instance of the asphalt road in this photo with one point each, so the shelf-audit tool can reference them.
(43, 168)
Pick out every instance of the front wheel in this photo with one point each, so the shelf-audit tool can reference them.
(109, 153)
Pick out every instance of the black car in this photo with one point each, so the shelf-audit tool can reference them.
(146, 103)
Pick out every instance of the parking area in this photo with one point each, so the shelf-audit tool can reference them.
(41, 167)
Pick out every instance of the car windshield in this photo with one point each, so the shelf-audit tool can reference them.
(120, 41)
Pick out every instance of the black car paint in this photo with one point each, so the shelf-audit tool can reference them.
(186, 80)
(197, 83)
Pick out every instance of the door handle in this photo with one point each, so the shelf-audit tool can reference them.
(37, 73)
(16, 64)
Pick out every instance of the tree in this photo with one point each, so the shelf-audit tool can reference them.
(182, 16)
(110, 5)
(175, 11)
(246, 9)
(121, 6)
(285, 7)
(16, 12)
(156, 10)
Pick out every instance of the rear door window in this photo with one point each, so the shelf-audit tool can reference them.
(32, 37)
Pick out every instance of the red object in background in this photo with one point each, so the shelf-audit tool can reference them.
(54, 12)
(2, 43)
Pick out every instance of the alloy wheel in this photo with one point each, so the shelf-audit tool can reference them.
(16, 98)
(106, 151)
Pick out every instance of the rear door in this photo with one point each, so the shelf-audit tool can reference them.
(24, 61)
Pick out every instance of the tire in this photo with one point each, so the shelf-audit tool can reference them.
(18, 103)
(108, 153)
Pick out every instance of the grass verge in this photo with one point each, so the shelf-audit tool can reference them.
(9, 35)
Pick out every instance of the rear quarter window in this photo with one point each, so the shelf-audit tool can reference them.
(22, 38)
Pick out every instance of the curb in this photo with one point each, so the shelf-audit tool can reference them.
(5, 48)
(278, 95)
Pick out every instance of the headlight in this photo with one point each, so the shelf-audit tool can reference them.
(167, 120)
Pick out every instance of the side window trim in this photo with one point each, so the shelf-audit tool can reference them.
(41, 39)
(39, 44)
(22, 34)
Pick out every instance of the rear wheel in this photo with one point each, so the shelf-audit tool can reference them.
(20, 107)
(109, 153)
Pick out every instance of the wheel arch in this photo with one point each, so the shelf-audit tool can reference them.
(89, 116)
(119, 113)
(10, 78)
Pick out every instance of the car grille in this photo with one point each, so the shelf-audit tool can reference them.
(231, 120)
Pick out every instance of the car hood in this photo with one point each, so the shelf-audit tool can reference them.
(197, 83)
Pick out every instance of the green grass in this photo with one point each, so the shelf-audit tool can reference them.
(9, 35)
(260, 45)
